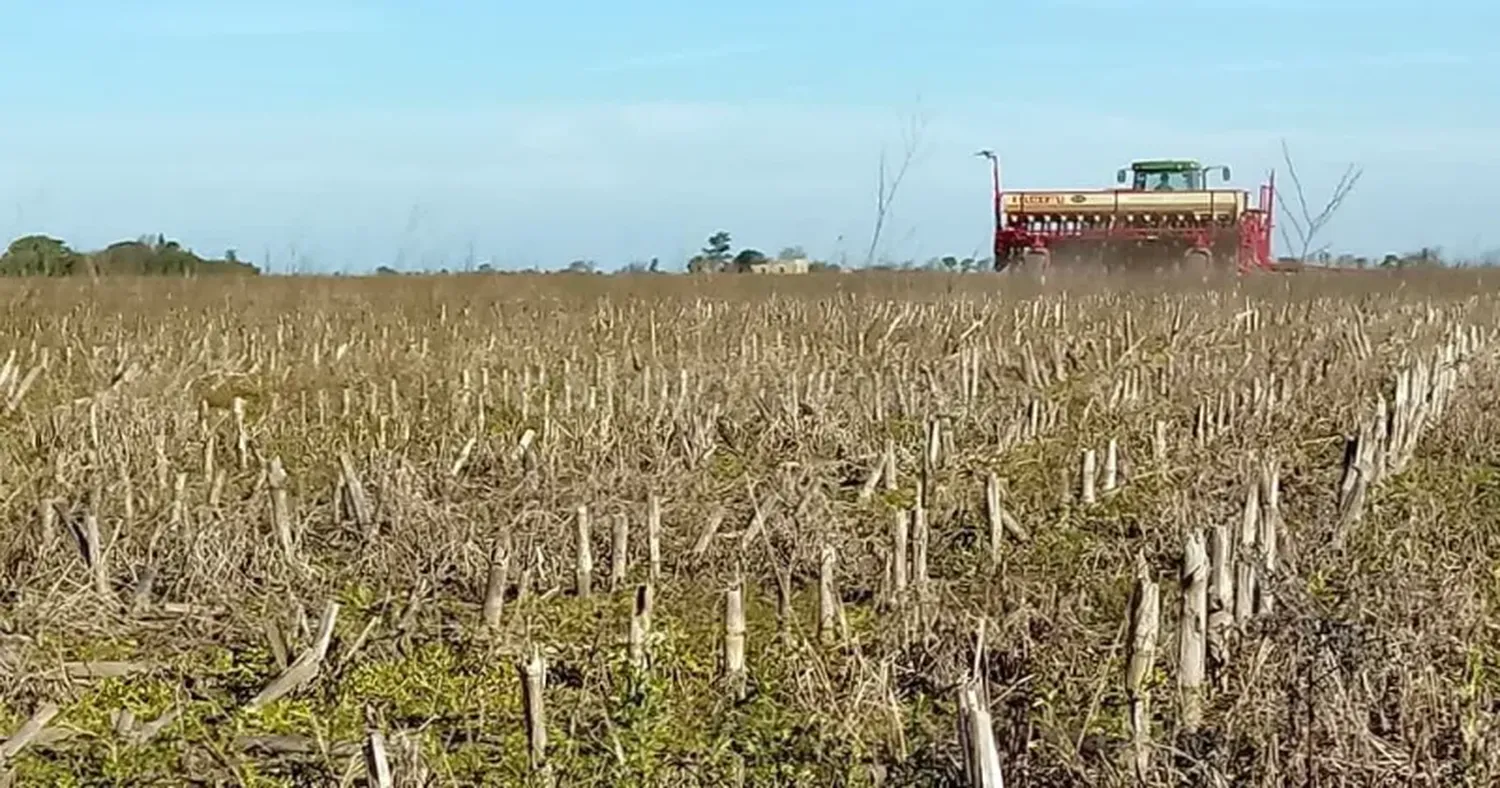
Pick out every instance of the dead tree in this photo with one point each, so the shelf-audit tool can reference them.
(888, 183)
(1304, 222)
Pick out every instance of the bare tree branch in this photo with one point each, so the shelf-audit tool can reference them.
(1307, 224)
(886, 188)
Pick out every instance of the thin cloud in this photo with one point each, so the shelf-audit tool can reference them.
(1213, 5)
(212, 20)
(1388, 60)
(679, 57)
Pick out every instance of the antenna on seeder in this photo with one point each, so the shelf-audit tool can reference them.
(995, 184)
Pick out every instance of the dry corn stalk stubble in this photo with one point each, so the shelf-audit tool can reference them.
(867, 464)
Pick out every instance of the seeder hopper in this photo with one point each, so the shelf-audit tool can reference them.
(1164, 216)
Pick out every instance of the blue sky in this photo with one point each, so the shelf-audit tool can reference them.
(335, 134)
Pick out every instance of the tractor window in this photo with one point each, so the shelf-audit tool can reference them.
(1166, 181)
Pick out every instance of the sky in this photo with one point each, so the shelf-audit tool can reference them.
(338, 135)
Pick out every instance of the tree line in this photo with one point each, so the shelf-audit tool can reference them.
(718, 255)
(42, 255)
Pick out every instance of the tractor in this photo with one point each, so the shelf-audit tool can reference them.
(1162, 215)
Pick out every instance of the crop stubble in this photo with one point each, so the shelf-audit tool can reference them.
(297, 531)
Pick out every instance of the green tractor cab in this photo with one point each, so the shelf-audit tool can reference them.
(1174, 175)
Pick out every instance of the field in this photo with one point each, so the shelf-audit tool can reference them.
(821, 530)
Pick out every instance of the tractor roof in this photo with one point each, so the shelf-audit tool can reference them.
(1164, 165)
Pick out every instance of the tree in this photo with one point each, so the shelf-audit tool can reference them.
(791, 253)
(747, 259)
(1308, 225)
(582, 267)
(888, 183)
(1426, 257)
(714, 256)
(717, 248)
(40, 255)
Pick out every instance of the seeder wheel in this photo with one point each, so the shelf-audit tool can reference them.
(1198, 262)
(1036, 260)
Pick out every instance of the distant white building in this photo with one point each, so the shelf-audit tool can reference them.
(798, 265)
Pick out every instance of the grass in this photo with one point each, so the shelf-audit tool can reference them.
(1377, 664)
